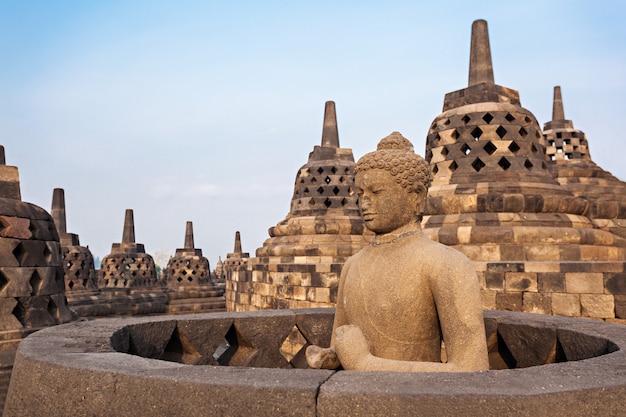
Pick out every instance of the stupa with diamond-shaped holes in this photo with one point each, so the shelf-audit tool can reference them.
(299, 265)
(128, 265)
(568, 149)
(31, 273)
(188, 277)
(78, 265)
(128, 279)
(494, 198)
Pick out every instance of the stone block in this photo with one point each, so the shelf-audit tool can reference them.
(601, 306)
(584, 283)
(529, 345)
(488, 299)
(566, 304)
(494, 280)
(543, 267)
(537, 303)
(509, 301)
(520, 281)
(620, 306)
(550, 282)
(615, 283)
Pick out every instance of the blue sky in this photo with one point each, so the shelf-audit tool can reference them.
(204, 111)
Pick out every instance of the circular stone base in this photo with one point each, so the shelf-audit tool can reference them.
(107, 367)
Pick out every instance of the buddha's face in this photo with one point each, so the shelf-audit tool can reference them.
(385, 205)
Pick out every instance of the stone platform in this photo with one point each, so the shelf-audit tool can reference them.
(541, 366)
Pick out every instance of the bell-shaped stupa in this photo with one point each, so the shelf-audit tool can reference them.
(187, 266)
(78, 265)
(494, 198)
(299, 265)
(568, 149)
(188, 277)
(128, 265)
(31, 271)
(235, 259)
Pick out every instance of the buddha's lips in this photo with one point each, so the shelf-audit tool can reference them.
(368, 216)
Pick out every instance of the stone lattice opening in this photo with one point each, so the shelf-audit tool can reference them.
(504, 163)
(490, 148)
(293, 344)
(487, 118)
(528, 165)
(239, 351)
(476, 133)
(478, 164)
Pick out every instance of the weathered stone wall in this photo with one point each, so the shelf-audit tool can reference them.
(285, 282)
(575, 289)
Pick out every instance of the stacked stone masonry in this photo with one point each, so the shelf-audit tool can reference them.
(543, 224)
(299, 265)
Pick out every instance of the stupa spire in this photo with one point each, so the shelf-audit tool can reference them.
(129, 227)
(58, 210)
(189, 244)
(330, 134)
(557, 105)
(237, 243)
(481, 68)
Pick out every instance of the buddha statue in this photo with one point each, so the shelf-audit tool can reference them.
(400, 295)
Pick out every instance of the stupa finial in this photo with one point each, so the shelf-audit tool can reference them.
(58, 210)
(330, 135)
(129, 227)
(189, 244)
(238, 243)
(481, 68)
(557, 105)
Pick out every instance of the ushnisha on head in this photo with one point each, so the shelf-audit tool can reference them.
(395, 155)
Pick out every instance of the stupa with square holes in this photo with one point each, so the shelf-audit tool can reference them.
(494, 198)
(568, 150)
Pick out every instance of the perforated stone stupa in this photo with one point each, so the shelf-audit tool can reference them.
(235, 260)
(494, 198)
(31, 272)
(78, 265)
(188, 277)
(299, 265)
(128, 265)
(128, 279)
(568, 149)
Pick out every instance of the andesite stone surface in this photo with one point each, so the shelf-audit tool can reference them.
(574, 367)
(190, 286)
(494, 198)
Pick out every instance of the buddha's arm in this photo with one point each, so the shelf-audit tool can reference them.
(353, 351)
(456, 291)
(326, 358)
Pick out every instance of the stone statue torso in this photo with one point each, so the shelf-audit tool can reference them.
(396, 312)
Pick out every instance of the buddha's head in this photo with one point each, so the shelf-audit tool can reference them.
(392, 183)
